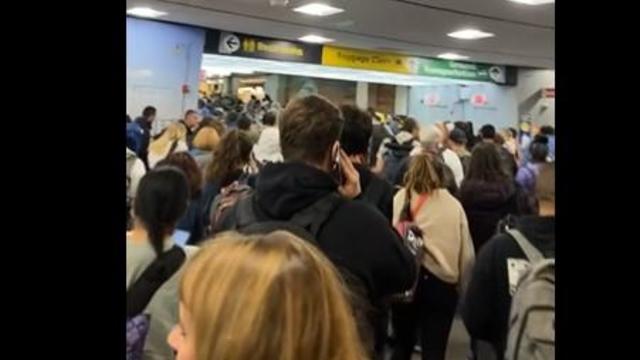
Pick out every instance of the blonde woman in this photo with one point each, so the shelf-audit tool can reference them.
(172, 140)
(449, 255)
(268, 296)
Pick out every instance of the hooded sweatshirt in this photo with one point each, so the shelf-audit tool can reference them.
(486, 203)
(356, 237)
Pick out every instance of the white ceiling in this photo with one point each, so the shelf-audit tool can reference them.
(525, 35)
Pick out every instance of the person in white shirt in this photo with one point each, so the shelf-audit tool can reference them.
(267, 149)
(432, 140)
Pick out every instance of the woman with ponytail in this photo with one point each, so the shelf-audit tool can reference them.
(448, 257)
(161, 200)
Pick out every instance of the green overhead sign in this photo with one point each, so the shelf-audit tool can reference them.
(462, 70)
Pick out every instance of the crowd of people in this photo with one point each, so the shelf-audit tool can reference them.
(256, 232)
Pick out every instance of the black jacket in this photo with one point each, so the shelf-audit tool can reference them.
(395, 161)
(486, 203)
(487, 303)
(378, 135)
(356, 238)
(143, 152)
(376, 191)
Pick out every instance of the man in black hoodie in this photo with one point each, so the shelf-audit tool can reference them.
(487, 303)
(357, 238)
(356, 135)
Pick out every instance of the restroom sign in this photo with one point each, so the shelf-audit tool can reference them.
(479, 100)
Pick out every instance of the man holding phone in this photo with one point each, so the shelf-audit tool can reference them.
(356, 237)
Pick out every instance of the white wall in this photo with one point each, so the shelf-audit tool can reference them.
(529, 96)
(453, 105)
(160, 59)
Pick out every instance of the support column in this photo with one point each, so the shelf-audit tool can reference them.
(362, 95)
(401, 105)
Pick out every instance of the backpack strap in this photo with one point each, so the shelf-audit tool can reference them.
(154, 276)
(533, 254)
(244, 213)
(173, 147)
(313, 217)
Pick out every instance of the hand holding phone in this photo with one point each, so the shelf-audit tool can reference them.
(348, 175)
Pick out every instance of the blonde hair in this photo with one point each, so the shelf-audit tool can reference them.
(268, 296)
(206, 139)
(423, 175)
(174, 132)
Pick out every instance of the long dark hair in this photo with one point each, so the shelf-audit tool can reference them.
(230, 156)
(485, 164)
(185, 162)
(160, 202)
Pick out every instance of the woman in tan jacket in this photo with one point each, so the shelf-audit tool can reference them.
(448, 257)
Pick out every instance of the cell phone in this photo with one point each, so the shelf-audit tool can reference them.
(180, 237)
(337, 170)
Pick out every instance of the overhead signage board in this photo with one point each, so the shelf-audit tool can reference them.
(263, 48)
(401, 64)
(498, 74)
(236, 44)
(367, 60)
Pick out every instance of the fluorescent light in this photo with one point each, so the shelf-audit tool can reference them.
(470, 34)
(534, 2)
(452, 56)
(145, 12)
(318, 9)
(315, 39)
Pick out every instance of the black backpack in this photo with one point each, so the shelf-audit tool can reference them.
(306, 224)
(140, 293)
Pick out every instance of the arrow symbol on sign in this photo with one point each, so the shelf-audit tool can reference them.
(232, 42)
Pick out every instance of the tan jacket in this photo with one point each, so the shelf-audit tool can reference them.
(449, 253)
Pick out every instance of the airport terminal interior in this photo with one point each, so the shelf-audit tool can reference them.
(340, 179)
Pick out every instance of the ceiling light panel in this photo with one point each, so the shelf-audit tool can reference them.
(470, 34)
(318, 9)
(145, 12)
(315, 39)
(534, 2)
(453, 56)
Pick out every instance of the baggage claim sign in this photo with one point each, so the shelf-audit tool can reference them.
(227, 43)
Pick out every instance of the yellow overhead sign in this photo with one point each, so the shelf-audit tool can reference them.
(367, 60)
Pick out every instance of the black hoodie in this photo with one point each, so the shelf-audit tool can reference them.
(376, 191)
(356, 237)
(486, 203)
(487, 302)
